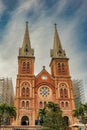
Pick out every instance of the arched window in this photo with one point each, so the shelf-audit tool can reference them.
(61, 92)
(23, 91)
(27, 91)
(66, 104)
(23, 104)
(45, 103)
(62, 104)
(41, 104)
(59, 67)
(65, 93)
(63, 67)
(24, 66)
(27, 104)
(28, 67)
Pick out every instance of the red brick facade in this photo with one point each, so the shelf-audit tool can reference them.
(33, 92)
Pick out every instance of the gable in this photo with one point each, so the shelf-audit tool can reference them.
(44, 78)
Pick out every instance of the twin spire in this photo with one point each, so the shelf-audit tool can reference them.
(27, 51)
(57, 51)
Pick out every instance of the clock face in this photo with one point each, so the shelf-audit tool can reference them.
(44, 77)
(44, 91)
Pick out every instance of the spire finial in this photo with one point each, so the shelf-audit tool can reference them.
(55, 25)
(26, 24)
(43, 67)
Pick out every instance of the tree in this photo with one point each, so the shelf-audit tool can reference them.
(53, 119)
(81, 113)
(41, 115)
(7, 111)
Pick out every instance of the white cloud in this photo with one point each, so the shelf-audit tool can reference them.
(2, 7)
(41, 36)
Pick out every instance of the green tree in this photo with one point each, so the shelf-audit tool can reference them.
(42, 115)
(7, 111)
(81, 113)
(53, 119)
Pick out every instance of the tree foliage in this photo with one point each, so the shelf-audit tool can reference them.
(81, 113)
(7, 111)
(51, 117)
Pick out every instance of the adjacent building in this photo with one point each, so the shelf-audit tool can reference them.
(6, 91)
(79, 94)
(34, 91)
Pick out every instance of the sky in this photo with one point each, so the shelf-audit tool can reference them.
(71, 19)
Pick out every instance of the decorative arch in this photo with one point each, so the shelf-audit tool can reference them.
(66, 121)
(25, 89)
(25, 120)
(63, 90)
(27, 115)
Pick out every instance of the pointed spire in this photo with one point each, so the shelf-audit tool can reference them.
(26, 37)
(26, 49)
(57, 43)
(57, 51)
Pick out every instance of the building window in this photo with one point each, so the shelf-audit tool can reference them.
(23, 91)
(61, 92)
(28, 67)
(45, 103)
(65, 93)
(44, 91)
(27, 91)
(23, 104)
(66, 104)
(63, 67)
(59, 67)
(24, 67)
(41, 104)
(27, 104)
(62, 104)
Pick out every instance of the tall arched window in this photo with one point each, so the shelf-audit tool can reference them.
(61, 92)
(24, 67)
(41, 104)
(62, 104)
(28, 67)
(23, 91)
(45, 103)
(63, 67)
(65, 93)
(27, 104)
(23, 104)
(66, 104)
(27, 91)
(59, 67)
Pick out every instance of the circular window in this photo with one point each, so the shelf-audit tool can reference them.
(44, 77)
(44, 91)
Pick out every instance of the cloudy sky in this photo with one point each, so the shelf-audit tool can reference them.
(71, 19)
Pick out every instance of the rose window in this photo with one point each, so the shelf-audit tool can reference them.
(44, 91)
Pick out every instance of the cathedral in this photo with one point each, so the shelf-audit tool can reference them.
(34, 92)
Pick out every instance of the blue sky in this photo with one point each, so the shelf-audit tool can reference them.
(71, 19)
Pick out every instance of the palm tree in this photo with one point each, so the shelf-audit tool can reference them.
(41, 115)
(52, 106)
(7, 111)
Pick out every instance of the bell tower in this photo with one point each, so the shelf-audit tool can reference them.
(63, 84)
(24, 100)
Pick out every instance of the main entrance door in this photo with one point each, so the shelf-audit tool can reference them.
(25, 120)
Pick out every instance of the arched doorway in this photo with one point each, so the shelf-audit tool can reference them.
(66, 122)
(24, 120)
